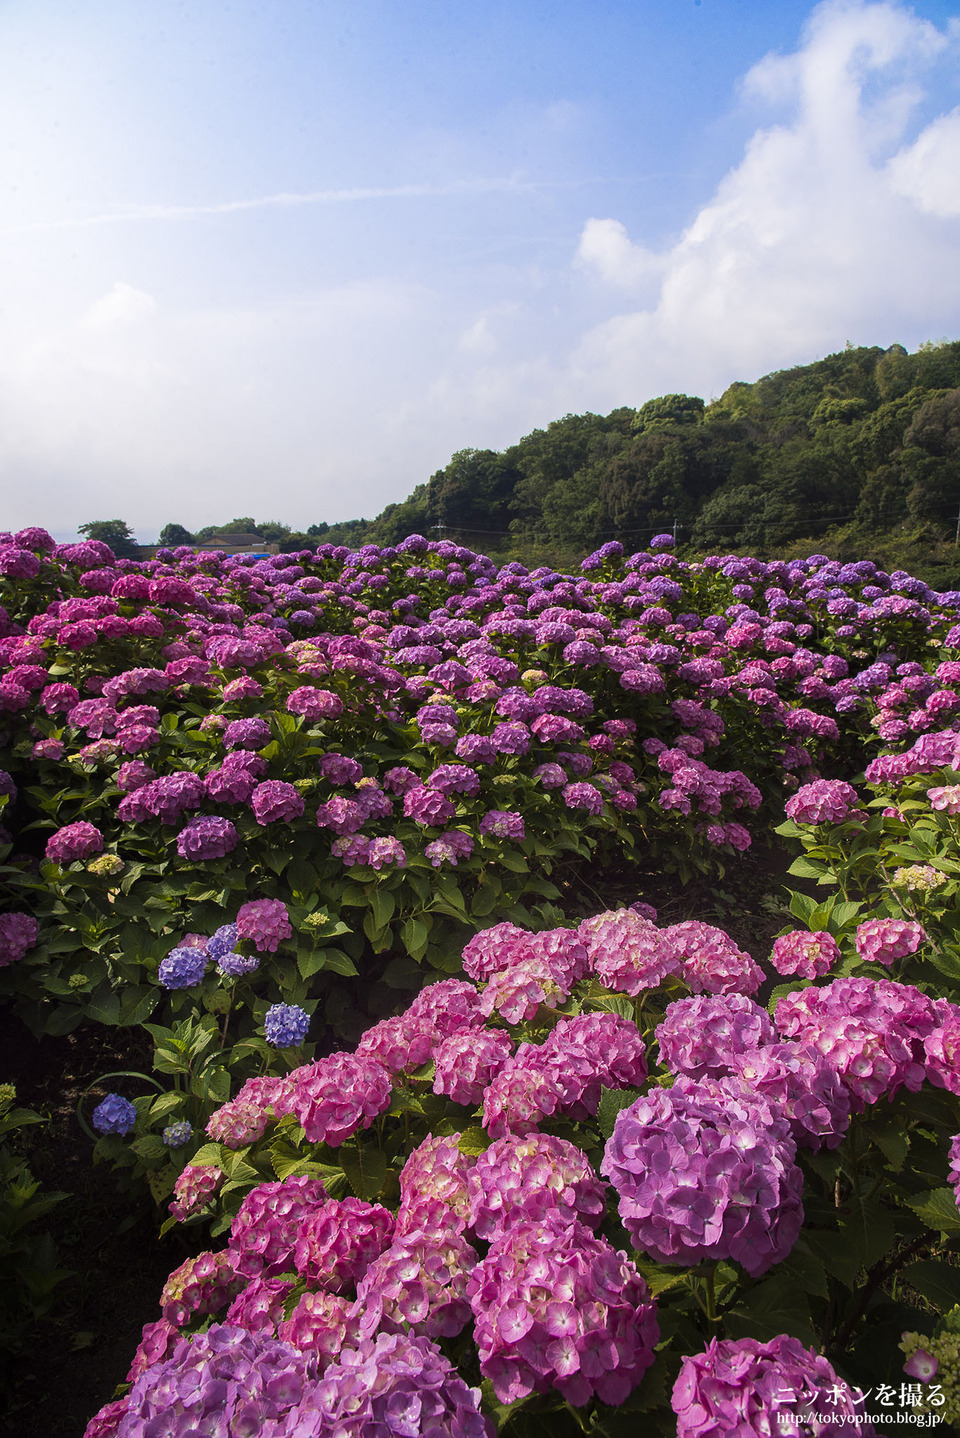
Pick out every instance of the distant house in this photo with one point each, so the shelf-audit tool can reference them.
(239, 544)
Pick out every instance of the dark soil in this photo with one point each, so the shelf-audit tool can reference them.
(74, 1359)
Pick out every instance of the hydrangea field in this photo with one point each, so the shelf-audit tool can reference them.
(462, 1153)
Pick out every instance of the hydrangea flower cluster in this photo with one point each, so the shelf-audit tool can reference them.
(749, 1389)
(736, 1152)
(114, 1115)
(556, 1307)
(808, 955)
(883, 940)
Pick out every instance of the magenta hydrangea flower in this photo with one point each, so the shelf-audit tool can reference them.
(384, 851)
(265, 1229)
(520, 1179)
(207, 837)
(872, 1031)
(245, 1118)
(337, 1240)
(710, 961)
(275, 802)
(338, 1095)
(825, 801)
(465, 1063)
(201, 1285)
(883, 940)
(494, 949)
(702, 1173)
(747, 1389)
(18, 935)
(808, 955)
(556, 1307)
(246, 734)
(314, 703)
(194, 1189)
(699, 1036)
(627, 952)
(436, 1172)
(264, 922)
(804, 1082)
(592, 1052)
(418, 1284)
(74, 841)
(321, 1324)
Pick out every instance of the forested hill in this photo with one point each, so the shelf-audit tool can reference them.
(868, 438)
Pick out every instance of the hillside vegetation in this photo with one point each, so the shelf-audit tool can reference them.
(858, 451)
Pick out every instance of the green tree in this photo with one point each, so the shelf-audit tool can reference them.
(114, 532)
(173, 534)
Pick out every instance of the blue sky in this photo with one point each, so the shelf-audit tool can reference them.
(284, 259)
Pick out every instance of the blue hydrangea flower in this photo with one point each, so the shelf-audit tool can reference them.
(182, 968)
(285, 1026)
(175, 1135)
(114, 1115)
(222, 941)
(236, 965)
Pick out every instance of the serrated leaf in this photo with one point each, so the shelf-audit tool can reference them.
(150, 1146)
(365, 1168)
(775, 1306)
(893, 1143)
(207, 1156)
(310, 962)
(612, 1102)
(338, 963)
(165, 1103)
(383, 905)
(938, 1283)
(473, 1141)
(802, 906)
(938, 1210)
(161, 1183)
(414, 934)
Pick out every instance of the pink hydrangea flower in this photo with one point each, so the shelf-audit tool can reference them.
(627, 952)
(700, 1036)
(883, 940)
(520, 1179)
(808, 955)
(710, 960)
(264, 922)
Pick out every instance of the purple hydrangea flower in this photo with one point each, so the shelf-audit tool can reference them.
(18, 934)
(275, 802)
(449, 848)
(741, 1388)
(175, 1135)
(114, 1115)
(735, 1152)
(502, 824)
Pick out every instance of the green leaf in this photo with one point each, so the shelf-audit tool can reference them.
(805, 868)
(104, 1006)
(938, 1283)
(516, 863)
(802, 907)
(310, 962)
(892, 1142)
(402, 973)
(338, 963)
(473, 1141)
(365, 1167)
(383, 905)
(150, 1146)
(612, 1102)
(414, 935)
(165, 1103)
(805, 1270)
(484, 900)
(938, 1209)
(775, 1306)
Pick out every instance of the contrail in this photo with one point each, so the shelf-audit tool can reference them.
(290, 199)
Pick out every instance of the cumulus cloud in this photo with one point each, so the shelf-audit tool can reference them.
(831, 227)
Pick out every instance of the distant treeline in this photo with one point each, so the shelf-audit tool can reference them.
(863, 443)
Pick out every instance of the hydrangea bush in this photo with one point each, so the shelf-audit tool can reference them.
(641, 1198)
(403, 745)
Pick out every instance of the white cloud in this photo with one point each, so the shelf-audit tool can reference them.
(818, 235)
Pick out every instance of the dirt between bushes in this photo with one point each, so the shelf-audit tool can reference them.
(75, 1358)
